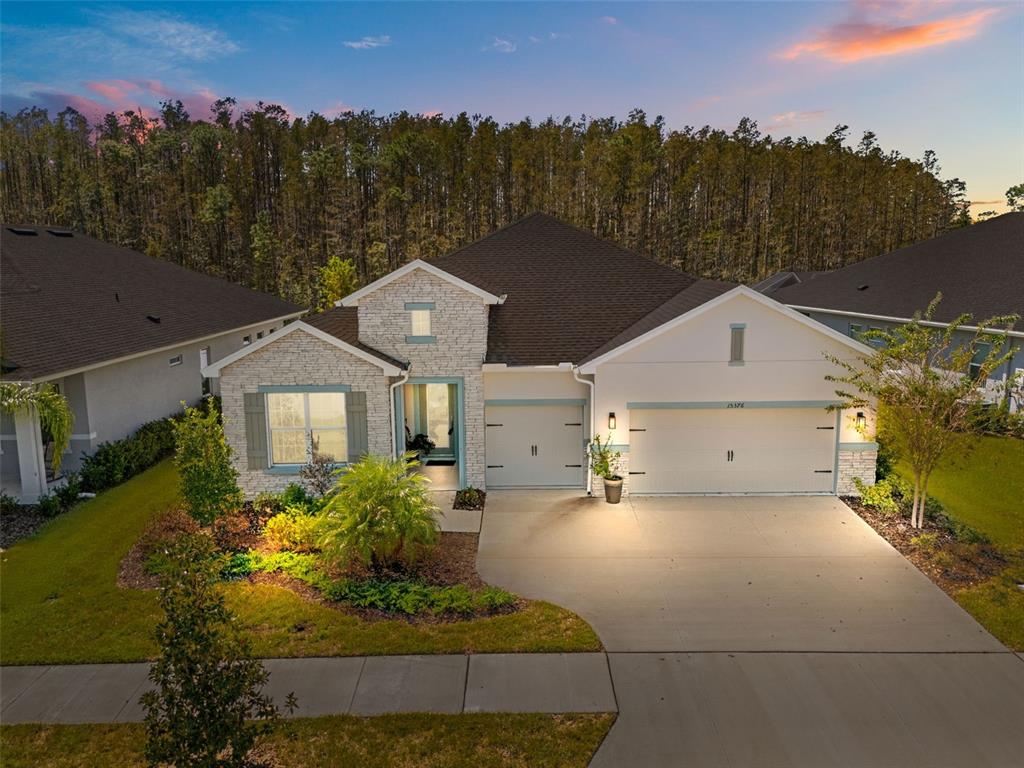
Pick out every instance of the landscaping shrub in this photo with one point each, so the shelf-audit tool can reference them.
(886, 496)
(114, 462)
(8, 504)
(469, 498)
(68, 493)
(927, 541)
(49, 505)
(292, 530)
(319, 473)
(209, 481)
(381, 514)
(233, 531)
(297, 496)
(414, 598)
(207, 708)
(268, 504)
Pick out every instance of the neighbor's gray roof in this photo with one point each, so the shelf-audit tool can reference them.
(978, 269)
(70, 302)
(568, 293)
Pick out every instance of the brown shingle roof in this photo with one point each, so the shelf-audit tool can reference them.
(343, 323)
(568, 292)
(72, 302)
(979, 269)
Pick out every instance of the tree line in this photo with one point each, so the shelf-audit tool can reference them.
(267, 200)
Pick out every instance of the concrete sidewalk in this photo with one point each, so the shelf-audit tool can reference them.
(373, 685)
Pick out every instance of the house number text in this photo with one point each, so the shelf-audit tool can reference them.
(735, 405)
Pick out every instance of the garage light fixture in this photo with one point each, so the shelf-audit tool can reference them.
(611, 420)
(861, 421)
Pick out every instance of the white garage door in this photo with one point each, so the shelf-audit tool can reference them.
(534, 446)
(742, 450)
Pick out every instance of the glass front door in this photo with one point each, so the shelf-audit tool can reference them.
(430, 409)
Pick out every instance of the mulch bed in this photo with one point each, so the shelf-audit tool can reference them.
(19, 524)
(462, 500)
(952, 565)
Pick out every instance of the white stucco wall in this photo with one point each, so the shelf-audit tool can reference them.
(459, 325)
(299, 358)
(783, 361)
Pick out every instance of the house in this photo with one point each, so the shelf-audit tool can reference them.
(978, 269)
(121, 335)
(510, 353)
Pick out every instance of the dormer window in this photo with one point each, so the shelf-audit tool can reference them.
(420, 331)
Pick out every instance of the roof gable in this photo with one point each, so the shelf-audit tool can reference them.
(591, 365)
(387, 367)
(352, 300)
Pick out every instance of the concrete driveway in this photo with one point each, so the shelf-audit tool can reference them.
(762, 631)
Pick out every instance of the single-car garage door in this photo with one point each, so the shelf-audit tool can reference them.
(732, 450)
(535, 446)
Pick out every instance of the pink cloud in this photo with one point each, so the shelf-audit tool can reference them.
(866, 36)
(113, 90)
(432, 113)
(792, 118)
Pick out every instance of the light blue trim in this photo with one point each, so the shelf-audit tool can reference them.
(737, 363)
(619, 448)
(539, 401)
(460, 428)
(734, 326)
(731, 404)
(419, 305)
(835, 464)
(421, 339)
(294, 469)
(304, 388)
(858, 446)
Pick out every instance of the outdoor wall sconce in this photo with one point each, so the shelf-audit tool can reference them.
(611, 420)
(861, 421)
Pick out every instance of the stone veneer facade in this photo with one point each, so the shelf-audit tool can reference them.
(858, 464)
(299, 358)
(459, 324)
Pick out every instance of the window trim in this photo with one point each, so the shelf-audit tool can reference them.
(975, 375)
(307, 429)
(737, 331)
(175, 361)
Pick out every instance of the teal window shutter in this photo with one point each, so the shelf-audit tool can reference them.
(358, 432)
(255, 430)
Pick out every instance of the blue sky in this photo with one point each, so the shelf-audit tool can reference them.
(922, 75)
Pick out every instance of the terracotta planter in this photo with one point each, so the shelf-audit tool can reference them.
(613, 490)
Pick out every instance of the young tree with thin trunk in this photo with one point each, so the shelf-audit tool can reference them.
(925, 379)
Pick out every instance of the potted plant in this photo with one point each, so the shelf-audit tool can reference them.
(605, 464)
(421, 444)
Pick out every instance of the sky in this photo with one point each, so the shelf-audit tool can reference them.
(942, 75)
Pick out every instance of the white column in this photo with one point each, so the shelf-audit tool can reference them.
(31, 459)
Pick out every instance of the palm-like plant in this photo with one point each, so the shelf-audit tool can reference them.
(380, 513)
(55, 416)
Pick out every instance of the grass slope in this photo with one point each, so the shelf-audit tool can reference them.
(60, 604)
(985, 489)
(396, 741)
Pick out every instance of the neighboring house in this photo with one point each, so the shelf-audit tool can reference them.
(512, 352)
(121, 335)
(978, 269)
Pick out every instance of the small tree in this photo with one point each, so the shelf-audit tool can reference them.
(924, 380)
(335, 280)
(603, 460)
(380, 513)
(207, 710)
(318, 472)
(209, 481)
(55, 416)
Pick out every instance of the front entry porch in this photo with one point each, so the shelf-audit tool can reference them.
(27, 460)
(429, 412)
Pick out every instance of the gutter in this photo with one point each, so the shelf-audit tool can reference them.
(391, 402)
(590, 437)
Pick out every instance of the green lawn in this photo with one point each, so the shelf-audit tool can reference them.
(985, 489)
(60, 604)
(395, 741)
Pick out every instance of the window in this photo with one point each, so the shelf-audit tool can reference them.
(420, 322)
(736, 332)
(246, 341)
(981, 352)
(259, 334)
(304, 423)
(176, 360)
(856, 330)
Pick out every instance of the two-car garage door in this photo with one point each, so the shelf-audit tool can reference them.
(732, 450)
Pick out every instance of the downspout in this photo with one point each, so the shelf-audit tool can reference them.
(590, 436)
(391, 402)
